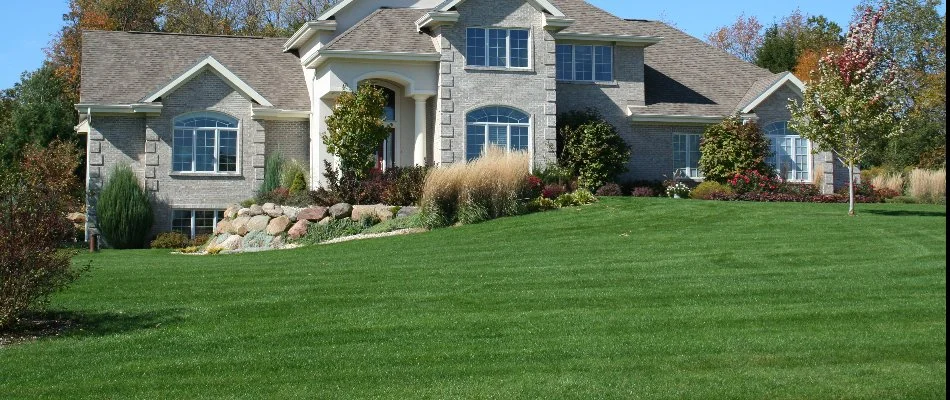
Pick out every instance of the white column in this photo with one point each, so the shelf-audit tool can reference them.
(419, 155)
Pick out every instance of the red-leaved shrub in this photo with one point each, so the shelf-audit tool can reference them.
(34, 200)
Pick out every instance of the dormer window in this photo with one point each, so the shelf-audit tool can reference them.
(495, 47)
(585, 63)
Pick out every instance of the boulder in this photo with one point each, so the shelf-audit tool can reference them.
(268, 206)
(299, 229)
(291, 212)
(239, 225)
(224, 226)
(232, 211)
(359, 212)
(312, 214)
(232, 242)
(326, 221)
(256, 210)
(341, 210)
(385, 213)
(277, 242)
(278, 225)
(407, 212)
(274, 212)
(244, 212)
(258, 223)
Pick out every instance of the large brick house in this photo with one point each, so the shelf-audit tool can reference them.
(195, 115)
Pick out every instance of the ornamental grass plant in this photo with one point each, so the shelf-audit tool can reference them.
(892, 181)
(489, 187)
(928, 186)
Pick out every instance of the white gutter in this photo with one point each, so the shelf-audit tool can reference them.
(620, 39)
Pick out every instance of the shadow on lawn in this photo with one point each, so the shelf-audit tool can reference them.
(905, 213)
(37, 325)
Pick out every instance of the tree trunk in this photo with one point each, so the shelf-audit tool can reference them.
(851, 188)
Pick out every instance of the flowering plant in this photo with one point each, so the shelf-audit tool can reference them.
(753, 181)
(677, 190)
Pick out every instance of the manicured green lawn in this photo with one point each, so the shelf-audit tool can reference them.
(629, 298)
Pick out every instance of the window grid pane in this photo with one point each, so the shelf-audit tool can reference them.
(182, 152)
(474, 141)
(497, 48)
(583, 63)
(227, 157)
(604, 62)
(181, 221)
(686, 155)
(476, 47)
(519, 48)
(204, 151)
(565, 62)
(205, 221)
(519, 138)
(498, 135)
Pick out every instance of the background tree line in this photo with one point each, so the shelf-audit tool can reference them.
(914, 34)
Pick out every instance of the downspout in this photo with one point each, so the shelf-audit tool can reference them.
(88, 135)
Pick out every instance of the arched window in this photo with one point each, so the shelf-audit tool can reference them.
(206, 142)
(499, 126)
(791, 153)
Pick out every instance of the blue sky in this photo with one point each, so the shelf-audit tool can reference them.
(28, 26)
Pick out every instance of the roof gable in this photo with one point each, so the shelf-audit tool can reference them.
(541, 5)
(787, 79)
(209, 64)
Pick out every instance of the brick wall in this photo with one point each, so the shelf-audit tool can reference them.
(290, 138)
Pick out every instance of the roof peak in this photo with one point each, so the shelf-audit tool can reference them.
(180, 34)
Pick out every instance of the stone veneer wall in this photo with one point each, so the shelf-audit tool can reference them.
(463, 89)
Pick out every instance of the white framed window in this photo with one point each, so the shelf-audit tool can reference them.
(584, 63)
(686, 155)
(498, 47)
(500, 126)
(206, 142)
(791, 153)
(195, 222)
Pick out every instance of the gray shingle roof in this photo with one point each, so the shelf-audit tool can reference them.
(590, 19)
(386, 29)
(685, 76)
(125, 67)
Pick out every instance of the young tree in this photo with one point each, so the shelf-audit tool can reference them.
(848, 108)
(124, 210)
(356, 128)
(741, 39)
(732, 147)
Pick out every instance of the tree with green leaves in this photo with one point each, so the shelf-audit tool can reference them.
(779, 51)
(36, 110)
(914, 34)
(848, 109)
(124, 210)
(356, 128)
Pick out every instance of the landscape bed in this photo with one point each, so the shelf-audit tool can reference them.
(627, 298)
